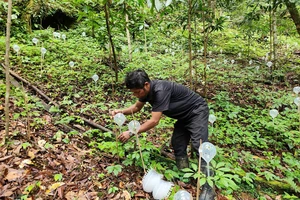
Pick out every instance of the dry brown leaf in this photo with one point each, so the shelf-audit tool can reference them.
(17, 149)
(140, 195)
(54, 187)
(93, 195)
(126, 195)
(98, 184)
(268, 197)
(6, 194)
(82, 195)
(121, 184)
(24, 163)
(41, 143)
(2, 133)
(13, 174)
(70, 158)
(278, 197)
(117, 197)
(47, 118)
(7, 191)
(60, 191)
(70, 195)
(31, 154)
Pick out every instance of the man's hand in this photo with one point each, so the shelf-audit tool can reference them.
(123, 137)
(113, 112)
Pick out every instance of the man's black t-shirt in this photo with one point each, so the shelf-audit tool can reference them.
(174, 100)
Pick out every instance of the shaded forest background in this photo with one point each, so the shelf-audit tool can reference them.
(67, 60)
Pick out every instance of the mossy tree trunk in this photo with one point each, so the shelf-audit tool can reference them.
(115, 66)
(292, 8)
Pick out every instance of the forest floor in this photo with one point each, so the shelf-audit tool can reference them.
(29, 171)
(70, 169)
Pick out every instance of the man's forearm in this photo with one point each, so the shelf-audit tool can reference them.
(130, 110)
(147, 125)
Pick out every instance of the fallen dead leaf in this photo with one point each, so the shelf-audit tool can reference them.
(31, 154)
(278, 197)
(7, 191)
(121, 184)
(117, 197)
(54, 187)
(70, 195)
(41, 143)
(24, 163)
(47, 118)
(13, 174)
(126, 195)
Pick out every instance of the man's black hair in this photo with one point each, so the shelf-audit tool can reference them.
(136, 79)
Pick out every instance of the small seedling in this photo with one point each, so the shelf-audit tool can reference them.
(58, 177)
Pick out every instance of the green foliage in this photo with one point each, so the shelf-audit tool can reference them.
(58, 177)
(223, 178)
(244, 132)
(26, 144)
(113, 189)
(115, 169)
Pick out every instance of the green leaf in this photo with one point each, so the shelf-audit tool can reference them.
(26, 144)
(188, 175)
(202, 181)
(58, 177)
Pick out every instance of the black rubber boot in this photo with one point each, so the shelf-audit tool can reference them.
(207, 192)
(182, 162)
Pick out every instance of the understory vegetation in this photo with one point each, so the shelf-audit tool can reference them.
(52, 152)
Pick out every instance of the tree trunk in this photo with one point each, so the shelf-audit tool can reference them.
(115, 67)
(128, 33)
(7, 66)
(190, 42)
(294, 14)
(274, 40)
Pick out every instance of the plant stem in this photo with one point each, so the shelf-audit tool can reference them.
(199, 170)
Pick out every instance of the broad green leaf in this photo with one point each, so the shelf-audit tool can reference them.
(187, 175)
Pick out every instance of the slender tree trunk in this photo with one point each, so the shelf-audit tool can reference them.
(190, 42)
(145, 38)
(274, 39)
(205, 44)
(271, 35)
(111, 41)
(294, 14)
(7, 66)
(128, 33)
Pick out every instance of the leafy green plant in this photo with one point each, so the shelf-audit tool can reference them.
(58, 177)
(223, 178)
(48, 145)
(112, 189)
(25, 145)
(115, 169)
